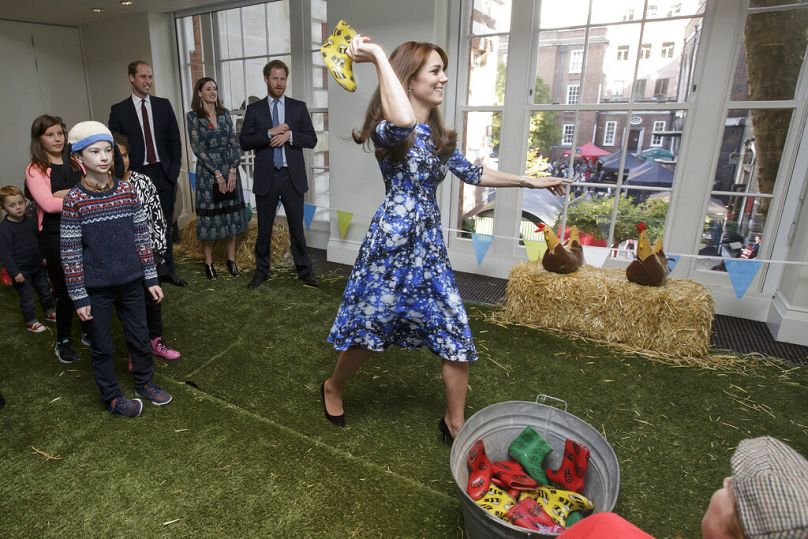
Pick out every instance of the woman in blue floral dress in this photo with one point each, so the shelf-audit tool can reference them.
(402, 290)
(220, 209)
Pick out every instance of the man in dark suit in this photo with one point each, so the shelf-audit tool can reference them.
(278, 128)
(155, 149)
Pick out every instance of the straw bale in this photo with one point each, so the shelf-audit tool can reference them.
(245, 245)
(600, 304)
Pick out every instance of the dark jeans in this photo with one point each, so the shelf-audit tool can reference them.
(51, 247)
(154, 315)
(283, 190)
(127, 299)
(36, 280)
(167, 192)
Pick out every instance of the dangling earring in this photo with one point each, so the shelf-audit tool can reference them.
(81, 166)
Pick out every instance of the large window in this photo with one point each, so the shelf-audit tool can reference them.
(234, 45)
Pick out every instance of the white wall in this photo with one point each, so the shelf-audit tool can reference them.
(43, 73)
(356, 183)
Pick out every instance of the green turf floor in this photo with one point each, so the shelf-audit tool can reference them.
(244, 450)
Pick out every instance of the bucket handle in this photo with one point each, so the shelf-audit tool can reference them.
(542, 399)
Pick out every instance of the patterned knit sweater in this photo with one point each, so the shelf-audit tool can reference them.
(105, 240)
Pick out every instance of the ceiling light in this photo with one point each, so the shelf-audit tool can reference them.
(126, 2)
(98, 10)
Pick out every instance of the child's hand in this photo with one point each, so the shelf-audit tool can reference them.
(156, 293)
(19, 278)
(84, 313)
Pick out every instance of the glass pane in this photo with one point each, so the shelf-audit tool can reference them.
(611, 55)
(590, 210)
(544, 151)
(231, 85)
(616, 11)
(658, 9)
(256, 87)
(733, 227)
(255, 34)
(481, 137)
(319, 23)
(229, 27)
(322, 194)
(663, 59)
(767, 3)
(278, 28)
(319, 81)
(772, 54)
(636, 207)
(561, 13)
(320, 152)
(488, 16)
(488, 58)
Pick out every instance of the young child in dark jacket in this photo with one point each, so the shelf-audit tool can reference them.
(107, 259)
(22, 258)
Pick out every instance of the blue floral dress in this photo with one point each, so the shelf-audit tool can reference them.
(402, 290)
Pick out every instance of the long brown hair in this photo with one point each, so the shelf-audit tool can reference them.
(407, 60)
(39, 157)
(196, 102)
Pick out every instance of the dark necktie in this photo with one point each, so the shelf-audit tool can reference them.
(151, 156)
(277, 156)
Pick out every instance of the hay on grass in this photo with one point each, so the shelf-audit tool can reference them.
(600, 304)
(191, 247)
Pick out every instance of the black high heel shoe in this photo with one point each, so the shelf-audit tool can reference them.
(233, 268)
(448, 439)
(338, 420)
(210, 272)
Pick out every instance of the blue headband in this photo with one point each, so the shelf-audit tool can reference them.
(87, 141)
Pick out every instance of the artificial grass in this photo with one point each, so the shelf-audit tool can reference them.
(245, 450)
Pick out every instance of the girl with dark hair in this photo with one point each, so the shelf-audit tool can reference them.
(220, 209)
(48, 181)
(402, 290)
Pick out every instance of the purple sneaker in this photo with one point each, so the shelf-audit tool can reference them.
(156, 394)
(126, 407)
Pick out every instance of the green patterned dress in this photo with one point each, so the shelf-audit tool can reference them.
(216, 148)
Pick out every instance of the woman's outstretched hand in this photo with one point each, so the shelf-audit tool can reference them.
(362, 49)
(552, 184)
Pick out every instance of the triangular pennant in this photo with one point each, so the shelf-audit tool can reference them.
(308, 214)
(481, 244)
(595, 256)
(192, 180)
(672, 261)
(344, 219)
(741, 274)
(535, 249)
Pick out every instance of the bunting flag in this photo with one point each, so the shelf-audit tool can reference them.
(344, 219)
(672, 261)
(481, 244)
(595, 256)
(535, 249)
(192, 180)
(741, 273)
(308, 214)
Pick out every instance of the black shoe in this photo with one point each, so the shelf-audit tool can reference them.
(448, 439)
(210, 272)
(309, 280)
(338, 420)
(2, 401)
(233, 268)
(64, 351)
(174, 279)
(257, 280)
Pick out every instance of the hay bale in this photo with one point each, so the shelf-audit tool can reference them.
(600, 304)
(245, 245)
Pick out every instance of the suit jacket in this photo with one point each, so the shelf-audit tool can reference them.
(124, 119)
(255, 136)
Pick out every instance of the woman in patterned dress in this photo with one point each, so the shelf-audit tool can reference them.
(220, 209)
(402, 290)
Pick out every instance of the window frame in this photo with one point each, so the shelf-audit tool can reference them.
(607, 140)
(573, 94)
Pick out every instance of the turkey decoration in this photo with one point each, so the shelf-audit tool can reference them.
(560, 258)
(651, 265)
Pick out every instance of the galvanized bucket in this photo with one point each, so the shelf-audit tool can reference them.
(498, 425)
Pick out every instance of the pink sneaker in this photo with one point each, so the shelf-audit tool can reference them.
(160, 349)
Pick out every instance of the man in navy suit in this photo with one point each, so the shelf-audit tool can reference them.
(155, 149)
(278, 128)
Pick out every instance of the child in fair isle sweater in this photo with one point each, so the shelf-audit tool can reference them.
(107, 259)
